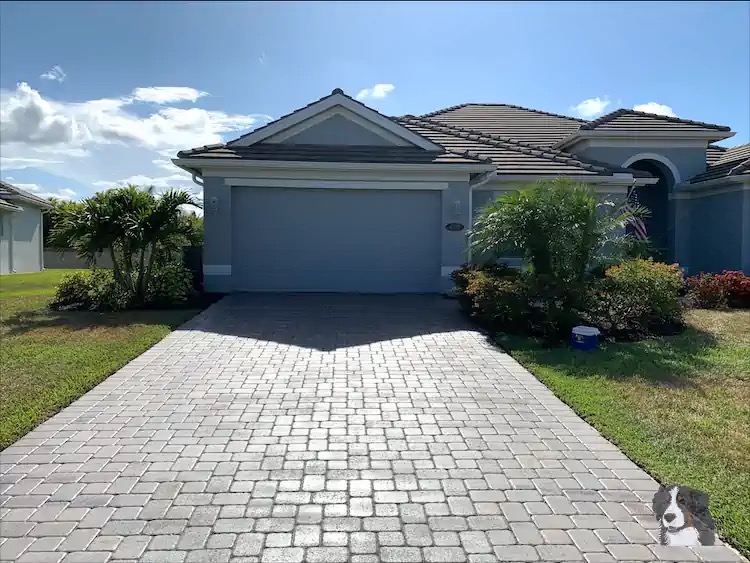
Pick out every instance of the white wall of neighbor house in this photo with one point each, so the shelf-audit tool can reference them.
(5, 243)
(21, 247)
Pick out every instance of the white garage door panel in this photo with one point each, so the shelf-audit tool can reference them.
(335, 240)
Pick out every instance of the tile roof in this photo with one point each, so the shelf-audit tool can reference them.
(9, 191)
(714, 153)
(8, 205)
(335, 153)
(632, 120)
(509, 121)
(511, 156)
(336, 91)
(734, 162)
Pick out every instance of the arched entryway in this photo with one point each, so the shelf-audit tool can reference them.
(656, 198)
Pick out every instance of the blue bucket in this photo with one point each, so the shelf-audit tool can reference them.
(584, 338)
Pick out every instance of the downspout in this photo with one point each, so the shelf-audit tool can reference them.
(196, 175)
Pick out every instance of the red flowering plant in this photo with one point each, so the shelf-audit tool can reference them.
(717, 291)
(737, 286)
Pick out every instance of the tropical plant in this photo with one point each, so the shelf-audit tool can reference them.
(134, 226)
(559, 227)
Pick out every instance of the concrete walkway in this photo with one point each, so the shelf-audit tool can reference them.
(325, 428)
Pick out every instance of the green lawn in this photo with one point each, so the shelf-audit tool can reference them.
(49, 358)
(677, 406)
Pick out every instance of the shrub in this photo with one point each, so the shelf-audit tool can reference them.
(97, 289)
(705, 291)
(93, 289)
(553, 307)
(492, 295)
(737, 286)
(717, 291)
(170, 284)
(73, 290)
(635, 299)
(105, 294)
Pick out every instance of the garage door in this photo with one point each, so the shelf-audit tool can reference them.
(337, 240)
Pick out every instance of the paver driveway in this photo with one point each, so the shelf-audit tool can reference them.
(325, 428)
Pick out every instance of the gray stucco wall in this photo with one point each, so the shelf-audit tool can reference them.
(689, 161)
(716, 232)
(217, 232)
(337, 130)
(20, 249)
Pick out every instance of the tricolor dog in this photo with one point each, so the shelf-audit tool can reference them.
(683, 516)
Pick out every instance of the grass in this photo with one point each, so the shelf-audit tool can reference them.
(678, 406)
(50, 358)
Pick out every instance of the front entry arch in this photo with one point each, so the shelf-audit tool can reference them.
(659, 226)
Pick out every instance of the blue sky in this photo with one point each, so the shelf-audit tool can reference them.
(93, 94)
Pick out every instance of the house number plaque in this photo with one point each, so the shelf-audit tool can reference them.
(454, 227)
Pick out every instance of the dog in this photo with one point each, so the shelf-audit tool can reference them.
(683, 516)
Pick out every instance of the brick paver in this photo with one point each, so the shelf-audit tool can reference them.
(325, 428)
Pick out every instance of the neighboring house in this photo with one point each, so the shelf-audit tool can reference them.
(338, 197)
(21, 237)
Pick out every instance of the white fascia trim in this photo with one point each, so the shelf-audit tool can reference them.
(329, 102)
(30, 201)
(334, 184)
(329, 113)
(217, 269)
(637, 135)
(658, 158)
(204, 163)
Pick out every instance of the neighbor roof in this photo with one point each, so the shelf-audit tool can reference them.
(335, 153)
(510, 156)
(632, 120)
(8, 206)
(11, 192)
(734, 162)
(509, 121)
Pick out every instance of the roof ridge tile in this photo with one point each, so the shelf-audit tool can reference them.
(591, 125)
(514, 106)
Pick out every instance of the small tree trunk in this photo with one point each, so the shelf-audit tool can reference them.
(140, 284)
(149, 268)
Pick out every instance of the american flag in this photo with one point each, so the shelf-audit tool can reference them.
(637, 226)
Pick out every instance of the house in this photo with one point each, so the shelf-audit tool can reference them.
(21, 237)
(338, 197)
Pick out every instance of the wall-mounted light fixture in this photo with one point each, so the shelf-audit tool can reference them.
(457, 209)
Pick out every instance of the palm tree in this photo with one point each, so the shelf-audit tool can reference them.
(134, 226)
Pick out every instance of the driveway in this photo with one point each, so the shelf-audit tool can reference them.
(325, 428)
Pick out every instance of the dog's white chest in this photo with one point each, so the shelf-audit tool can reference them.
(686, 537)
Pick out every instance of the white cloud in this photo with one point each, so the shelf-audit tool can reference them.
(378, 91)
(39, 191)
(654, 107)
(26, 118)
(56, 73)
(167, 94)
(262, 58)
(591, 107)
(177, 181)
(91, 141)
(19, 163)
